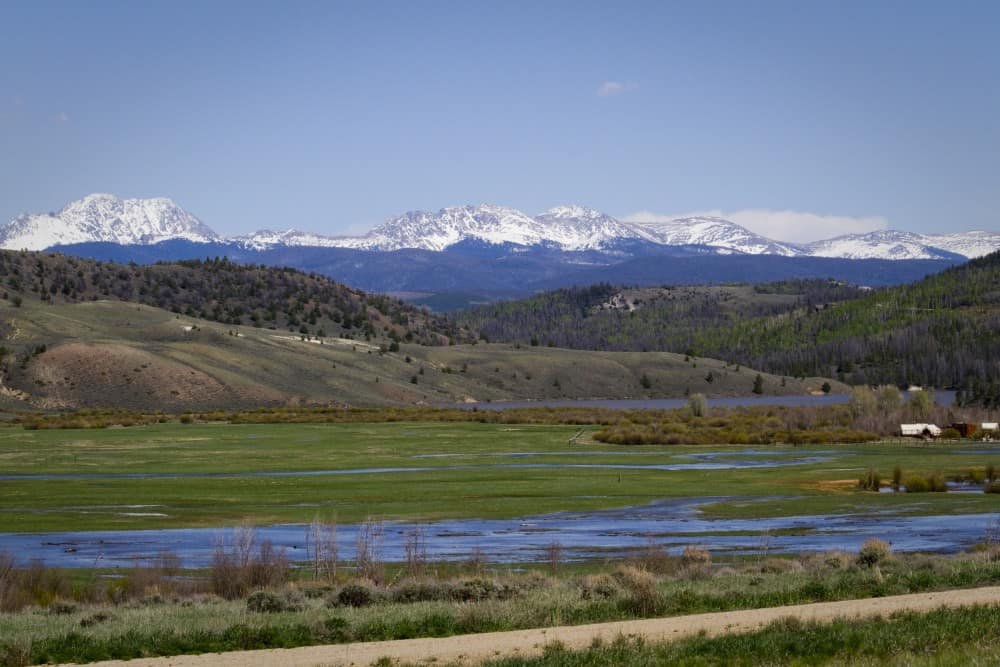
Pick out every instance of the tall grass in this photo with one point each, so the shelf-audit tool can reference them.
(307, 612)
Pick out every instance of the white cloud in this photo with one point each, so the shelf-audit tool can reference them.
(791, 226)
(62, 117)
(610, 88)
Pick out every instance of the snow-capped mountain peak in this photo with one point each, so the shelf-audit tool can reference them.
(103, 217)
(721, 234)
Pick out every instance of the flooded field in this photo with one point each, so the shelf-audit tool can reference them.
(111, 497)
(670, 525)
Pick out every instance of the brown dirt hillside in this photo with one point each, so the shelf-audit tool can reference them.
(97, 375)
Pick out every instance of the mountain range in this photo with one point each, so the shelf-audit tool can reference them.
(105, 218)
(466, 255)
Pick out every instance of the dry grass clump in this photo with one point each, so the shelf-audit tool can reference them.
(781, 566)
(828, 560)
(641, 595)
(599, 587)
(873, 552)
(655, 558)
(695, 563)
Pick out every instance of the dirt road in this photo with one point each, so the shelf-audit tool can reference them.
(472, 649)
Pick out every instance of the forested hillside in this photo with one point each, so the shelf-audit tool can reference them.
(603, 317)
(222, 291)
(942, 331)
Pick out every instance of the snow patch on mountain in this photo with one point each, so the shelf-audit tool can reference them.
(882, 244)
(101, 217)
(265, 238)
(968, 244)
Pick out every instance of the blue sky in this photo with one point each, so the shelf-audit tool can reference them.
(799, 119)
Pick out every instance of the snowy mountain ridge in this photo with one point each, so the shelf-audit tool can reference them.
(726, 236)
(572, 228)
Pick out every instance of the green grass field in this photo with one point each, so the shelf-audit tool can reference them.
(470, 485)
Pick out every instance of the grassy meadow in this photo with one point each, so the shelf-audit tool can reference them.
(454, 470)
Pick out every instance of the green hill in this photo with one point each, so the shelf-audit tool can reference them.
(942, 331)
(214, 334)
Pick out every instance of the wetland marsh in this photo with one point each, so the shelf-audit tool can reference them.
(111, 496)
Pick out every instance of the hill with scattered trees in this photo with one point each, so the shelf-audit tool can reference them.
(222, 291)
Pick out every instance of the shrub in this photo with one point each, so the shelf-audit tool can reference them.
(368, 546)
(247, 565)
(18, 653)
(933, 483)
(992, 487)
(356, 595)
(95, 619)
(836, 560)
(265, 602)
(873, 552)
(554, 555)
(780, 566)
(598, 587)
(422, 591)
(60, 607)
(698, 405)
(482, 589)
(937, 483)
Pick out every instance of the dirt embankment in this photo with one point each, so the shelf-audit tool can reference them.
(473, 649)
